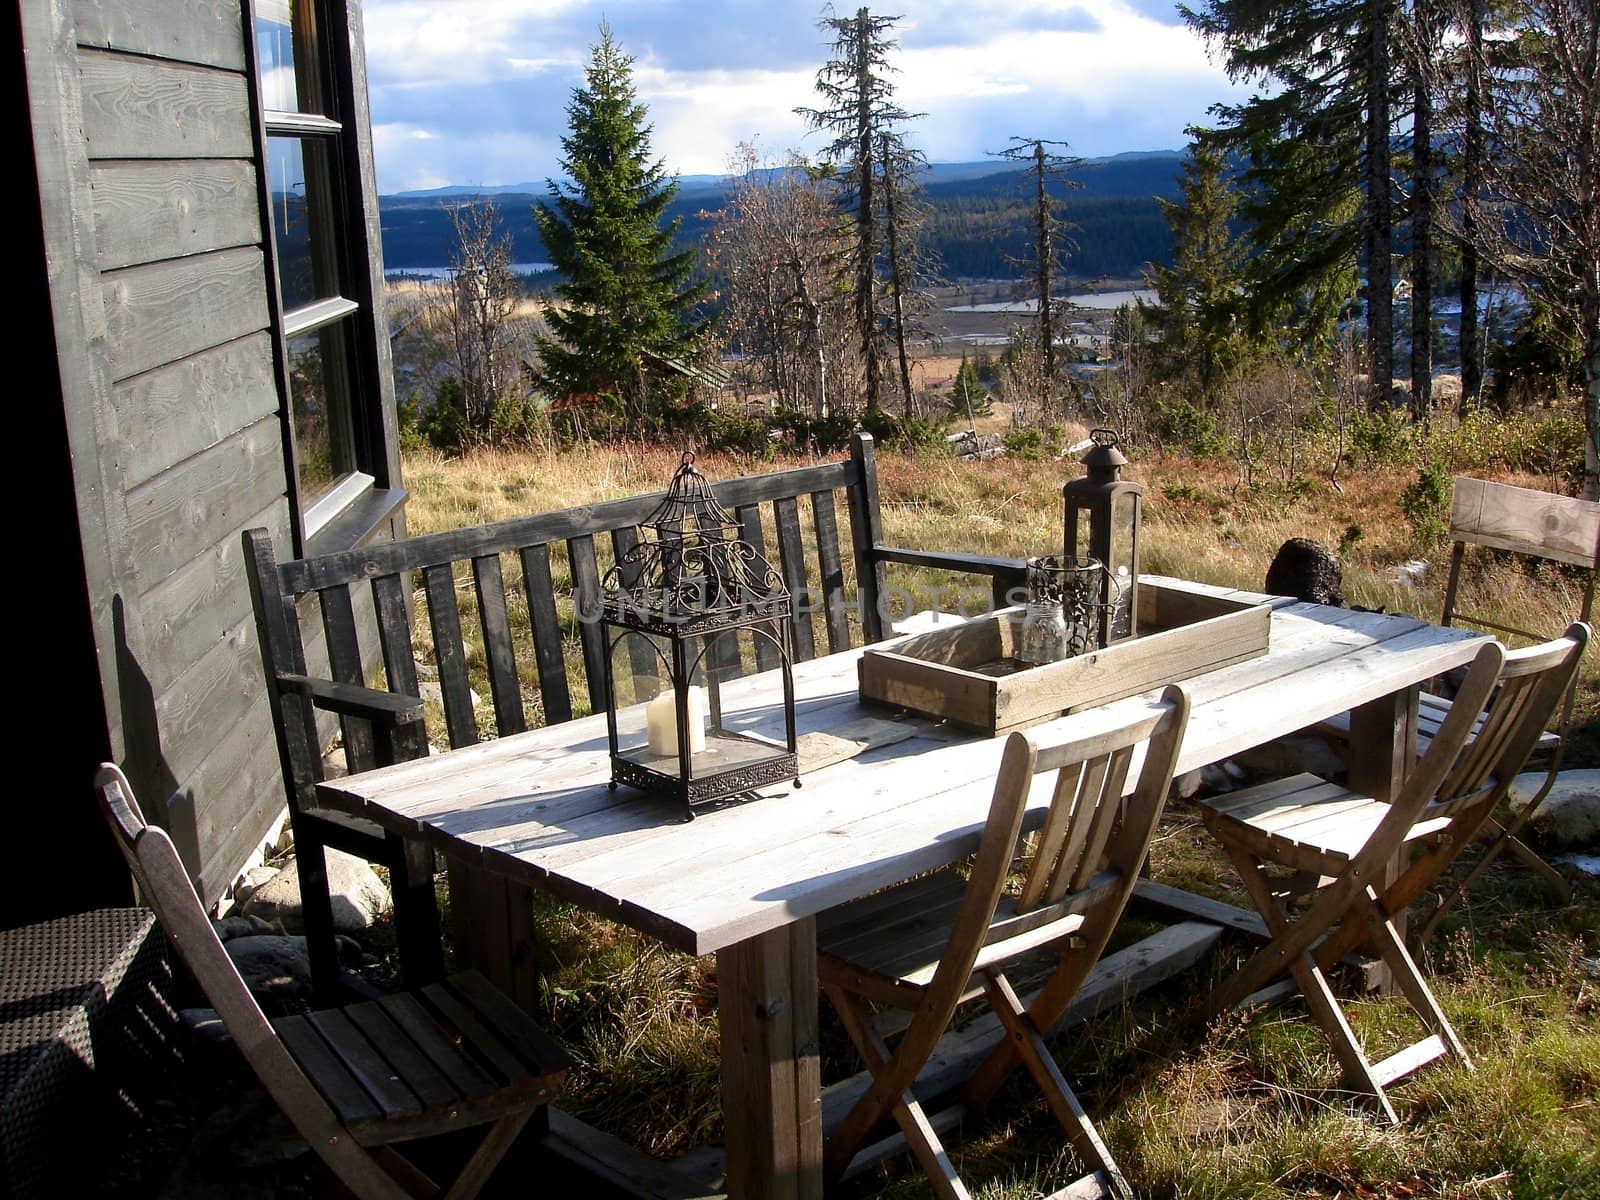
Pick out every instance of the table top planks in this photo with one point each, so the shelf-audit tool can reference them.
(536, 805)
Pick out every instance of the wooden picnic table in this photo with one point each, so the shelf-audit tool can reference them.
(746, 881)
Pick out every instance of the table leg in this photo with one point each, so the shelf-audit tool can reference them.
(491, 925)
(771, 1075)
(1383, 741)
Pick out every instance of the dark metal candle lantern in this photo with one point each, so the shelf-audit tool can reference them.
(1072, 588)
(680, 720)
(1103, 513)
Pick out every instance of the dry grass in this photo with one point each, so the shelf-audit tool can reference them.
(1245, 1108)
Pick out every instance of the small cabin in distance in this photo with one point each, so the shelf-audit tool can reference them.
(201, 332)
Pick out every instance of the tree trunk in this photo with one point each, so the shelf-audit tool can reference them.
(1043, 253)
(1471, 185)
(1380, 234)
(1422, 226)
(896, 279)
(1591, 379)
(866, 239)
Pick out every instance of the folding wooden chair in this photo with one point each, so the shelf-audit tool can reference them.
(1337, 844)
(354, 1080)
(1540, 525)
(926, 946)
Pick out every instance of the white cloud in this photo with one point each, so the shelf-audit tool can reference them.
(491, 78)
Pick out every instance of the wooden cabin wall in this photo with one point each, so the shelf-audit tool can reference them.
(148, 169)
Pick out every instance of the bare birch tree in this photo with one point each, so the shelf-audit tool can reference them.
(475, 305)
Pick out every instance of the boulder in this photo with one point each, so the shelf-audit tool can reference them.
(433, 693)
(358, 895)
(253, 878)
(272, 966)
(1569, 817)
(1307, 571)
(229, 928)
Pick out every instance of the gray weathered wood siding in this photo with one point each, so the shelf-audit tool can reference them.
(149, 179)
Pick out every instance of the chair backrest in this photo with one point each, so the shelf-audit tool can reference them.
(530, 584)
(165, 887)
(1532, 683)
(1525, 521)
(1088, 853)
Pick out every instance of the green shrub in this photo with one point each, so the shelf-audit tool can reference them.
(1541, 443)
(805, 429)
(1426, 502)
(908, 433)
(1185, 424)
(1381, 437)
(445, 424)
(1025, 443)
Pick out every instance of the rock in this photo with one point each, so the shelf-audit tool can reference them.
(358, 895)
(1290, 756)
(1307, 571)
(229, 928)
(273, 966)
(1410, 573)
(1569, 817)
(433, 693)
(334, 765)
(253, 878)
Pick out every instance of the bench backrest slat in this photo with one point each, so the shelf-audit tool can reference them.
(391, 596)
(344, 665)
(623, 542)
(554, 691)
(825, 519)
(495, 622)
(586, 599)
(450, 654)
(791, 554)
(751, 531)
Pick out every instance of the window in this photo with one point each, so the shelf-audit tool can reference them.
(335, 426)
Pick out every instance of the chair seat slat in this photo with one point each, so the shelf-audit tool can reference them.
(412, 1065)
(341, 1089)
(380, 1079)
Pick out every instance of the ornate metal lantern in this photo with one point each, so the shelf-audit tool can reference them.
(681, 612)
(1103, 512)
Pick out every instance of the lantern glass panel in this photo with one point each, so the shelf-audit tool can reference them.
(746, 720)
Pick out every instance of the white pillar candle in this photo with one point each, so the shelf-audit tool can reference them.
(661, 722)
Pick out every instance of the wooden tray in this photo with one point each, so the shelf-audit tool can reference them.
(967, 674)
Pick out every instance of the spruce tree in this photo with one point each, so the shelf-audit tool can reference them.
(626, 298)
(1317, 157)
(859, 110)
(1202, 294)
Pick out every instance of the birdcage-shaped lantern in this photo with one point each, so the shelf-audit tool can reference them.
(1103, 512)
(685, 611)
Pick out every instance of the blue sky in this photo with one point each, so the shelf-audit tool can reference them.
(475, 91)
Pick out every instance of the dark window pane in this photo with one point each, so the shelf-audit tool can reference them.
(319, 393)
(286, 50)
(302, 175)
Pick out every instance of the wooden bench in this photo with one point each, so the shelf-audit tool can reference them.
(525, 579)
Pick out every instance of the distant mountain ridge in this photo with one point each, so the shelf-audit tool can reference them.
(974, 224)
(935, 173)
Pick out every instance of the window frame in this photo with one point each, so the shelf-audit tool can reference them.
(363, 499)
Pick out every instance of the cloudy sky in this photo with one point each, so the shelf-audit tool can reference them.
(475, 91)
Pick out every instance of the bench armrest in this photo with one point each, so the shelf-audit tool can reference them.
(352, 700)
(1005, 574)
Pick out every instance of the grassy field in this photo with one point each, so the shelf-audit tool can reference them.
(1247, 1106)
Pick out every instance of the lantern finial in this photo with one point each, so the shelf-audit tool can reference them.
(1104, 460)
